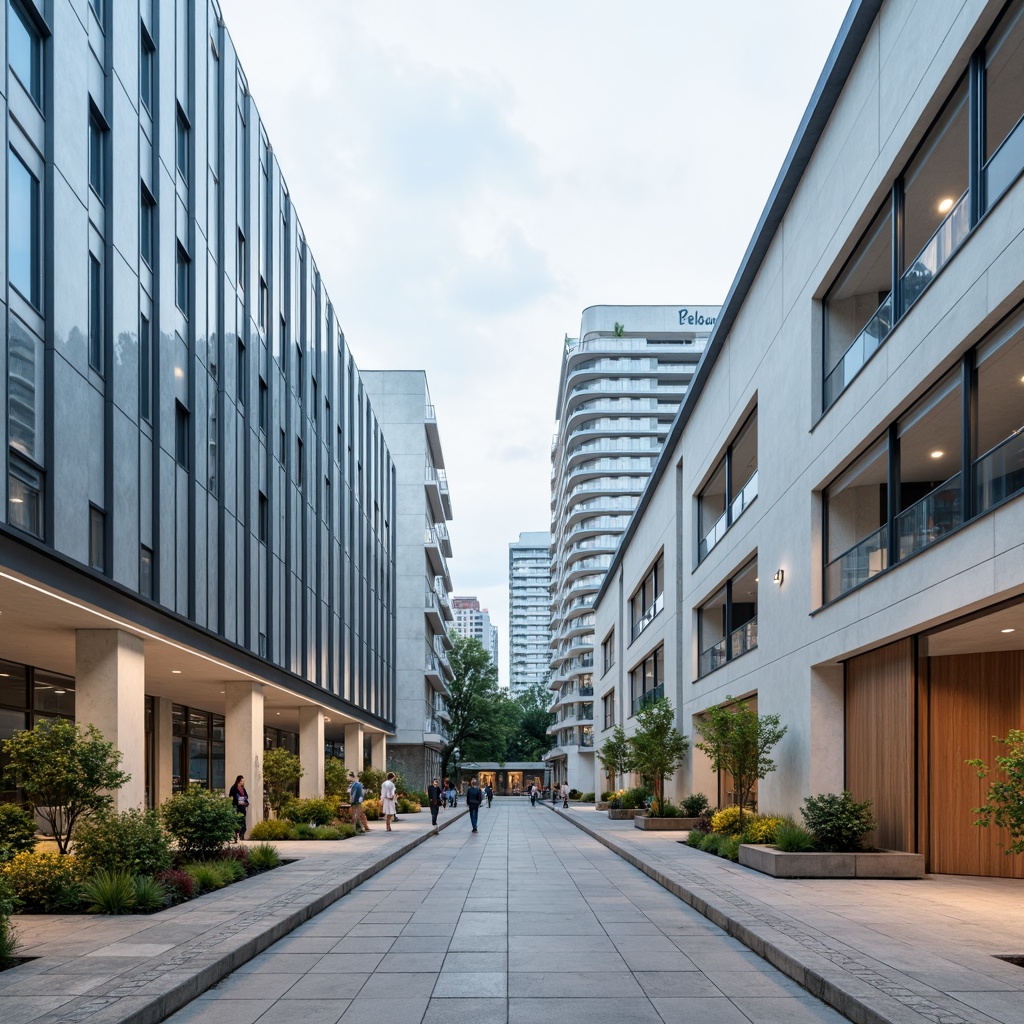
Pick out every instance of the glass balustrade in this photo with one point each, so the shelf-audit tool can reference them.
(932, 517)
(999, 473)
(857, 564)
(861, 349)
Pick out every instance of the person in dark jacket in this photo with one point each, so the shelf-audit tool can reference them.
(240, 799)
(474, 798)
(434, 798)
(489, 793)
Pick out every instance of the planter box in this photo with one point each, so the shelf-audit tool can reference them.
(621, 813)
(878, 864)
(645, 821)
(601, 805)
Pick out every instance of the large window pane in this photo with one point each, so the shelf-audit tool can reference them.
(53, 694)
(1004, 103)
(930, 463)
(25, 391)
(999, 469)
(711, 507)
(13, 685)
(25, 497)
(711, 630)
(25, 52)
(23, 242)
(858, 307)
(856, 507)
(935, 220)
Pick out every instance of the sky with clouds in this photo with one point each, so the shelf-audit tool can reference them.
(472, 174)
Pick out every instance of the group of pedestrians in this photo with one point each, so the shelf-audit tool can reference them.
(439, 797)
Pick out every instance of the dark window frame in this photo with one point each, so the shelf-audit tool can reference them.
(708, 659)
(735, 503)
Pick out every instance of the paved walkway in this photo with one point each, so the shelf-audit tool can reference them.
(913, 952)
(136, 969)
(527, 922)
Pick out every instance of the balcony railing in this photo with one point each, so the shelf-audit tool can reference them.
(999, 473)
(935, 515)
(739, 641)
(648, 616)
(645, 698)
(722, 525)
(857, 564)
(860, 351)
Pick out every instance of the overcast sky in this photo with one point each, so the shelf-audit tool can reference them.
(472, 174)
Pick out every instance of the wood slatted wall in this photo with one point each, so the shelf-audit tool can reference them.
(880, 747)
(972, 697)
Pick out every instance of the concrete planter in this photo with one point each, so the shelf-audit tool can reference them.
(651, 824)
(621, 813)
(601, 805)
(877, 864)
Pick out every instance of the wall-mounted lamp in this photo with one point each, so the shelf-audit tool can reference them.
(779, 576)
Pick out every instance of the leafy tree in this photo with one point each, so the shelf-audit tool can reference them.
(335, 777)
(65, 771)
(479, 713)
(657, 748)
(528, 737)
(281, 773)
(1004, 802)
(616, 754)
(738, 740)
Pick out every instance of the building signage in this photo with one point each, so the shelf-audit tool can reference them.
(688, 318)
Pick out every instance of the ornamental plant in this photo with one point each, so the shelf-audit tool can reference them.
(132, 841)
(313, 811)
(66, 772)
(44, 883)
(17, 831)
(8, 938)
(335, 777)
(694, 805)
(281, 773)
(738, 741)
(1004, 801)
(658, 748)
(200, 821)
(838, 822)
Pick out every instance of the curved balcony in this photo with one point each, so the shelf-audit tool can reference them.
(605, 503)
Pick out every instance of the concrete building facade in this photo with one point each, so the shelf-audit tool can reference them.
(197, 546)
(529, 622)
(839, 506)
(401, 401)
(620, 386)
(472, 620)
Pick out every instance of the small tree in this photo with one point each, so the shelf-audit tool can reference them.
(1004, 802)
(616, 754)
(335, 777)
(281, 773)
(657, 746)
(66, 772)
(200, 821)
(738, 740)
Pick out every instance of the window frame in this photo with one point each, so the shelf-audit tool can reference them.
(97, 317)
(735, 504)
(657, 690)
(642, 615)
(730, 629)
(35, 87)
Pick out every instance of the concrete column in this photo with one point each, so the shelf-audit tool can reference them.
(827, 768)
(243, 741)
(110, 693)
(379, 751)
(311, 751)
(163, 749)
(354, 747)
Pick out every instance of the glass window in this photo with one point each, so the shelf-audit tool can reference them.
(147, 62)
(608, 709)
(1004, 103)
(936, 216)
(13, 686)
(97, 154)
(649, 598)
(727, 621)
(711, 505)
(930, 454)
(181, 146)
(264, 518)
(711, 632)
(24, 242)
(25, 51)
(647, 680)
(25, 385)
(146, 571)
(731, 488)
(147, 226)
(999, 467)
(95, 314)
(97, 539)
(242, 379)
(608, 651)
(181, 280)
(53, 694)
(263, 402)
(240, 260)
(181, 435)
(25, 496)
(145, 369)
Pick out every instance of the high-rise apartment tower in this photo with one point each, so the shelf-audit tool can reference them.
(529, 621)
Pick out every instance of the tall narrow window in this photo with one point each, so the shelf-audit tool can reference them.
(25, 51)
(181, 279)
(145, 370)
(242, 383)
(1004, 104)
(263, 403)
(97, 539)
(24, 496)
(181, 145)
(263, 305)
(97, 152)
(298, 461)
(147, 225)
(146, 571)
(147, 68)
(95, 314)
(264, 518)
(727, 621)
(298, 371)
(181, 435)
(24, 244)
(240, 260)
(731, 488)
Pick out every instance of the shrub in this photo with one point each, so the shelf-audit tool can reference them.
(587, 797)
(668, 810)
(695, 805)
(109, 892)
(335, 777)
(178, 885)
(305, 832)
(232, 870)
(272, 830)
(761, 828)
(634, 798)
(1004, 800)
(695, 838)
(149, 893)
(407, 806)
(326, 832)
(372, 779)
(264, 856)
(730, 847)
(207, 875)
(200, 821)
(574, 794)
(314, 811)
(345, 829)
(704, 822)
(46, 883)
(8, 938)
(607, 795)
(372, 810)
(236, 853)
(838, 823)
(726, 821)
(131, 841)
(281, 773)
(712, 841)
(17, 831)
(791, 838)
(418, 796)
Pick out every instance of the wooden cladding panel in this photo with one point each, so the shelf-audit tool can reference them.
(880, 748)
(972, 697)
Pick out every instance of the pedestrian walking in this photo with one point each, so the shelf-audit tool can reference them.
(565, 794)
(435, 799)
(533, 795)
(240, 801)
(445, 790)
(355, 797)
(489, 793)
(474, 798)
(387, 800)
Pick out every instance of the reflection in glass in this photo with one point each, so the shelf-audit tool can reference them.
(23, 229)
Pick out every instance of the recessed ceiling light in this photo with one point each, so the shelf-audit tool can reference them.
(1010, 630)
(175, 671)
(945, 205)
(937, 454)
(5, 675)
(60, 692)
(16, 501)
(179, 372)
(277, 712)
